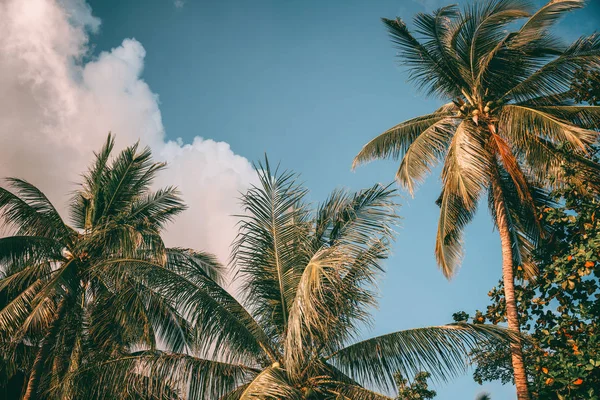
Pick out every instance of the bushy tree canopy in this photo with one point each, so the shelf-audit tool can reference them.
(586, 86)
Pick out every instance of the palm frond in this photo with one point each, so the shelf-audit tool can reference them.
(266, 252)
(310, 313)
(157, 208)
(61, 287)
(130, 175)
(352, 236)
(83, 203)
(271, 384)
(424, 153)
(16, 311)
(133, 313)
(394, 142)
(65, 354)
(49, 341)
(586, 117)
(224, 326)
(193, 264)
(355, 219)
(430, 73)
(556, 76)
(479, 35)
(454, 216)
(363, 216)
(488, 28)
(235, 393)
(192, 377)
(27, 250)
(554, 165)
(510, 163)
(19, 277)
(465, 176)
(30, 212)
(542, 20)
(441, 350)
(438, 30)
(466, 170)
(525, 124)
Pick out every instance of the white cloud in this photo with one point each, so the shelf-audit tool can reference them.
(178, 3)
(56, 110)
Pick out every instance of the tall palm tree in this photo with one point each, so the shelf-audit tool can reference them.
(74, 295)
(307, 285)
(509, 128)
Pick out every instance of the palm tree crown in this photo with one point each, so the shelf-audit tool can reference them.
(74, 295)
(509, 126)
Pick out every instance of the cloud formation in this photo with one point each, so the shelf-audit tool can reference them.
(56, 109)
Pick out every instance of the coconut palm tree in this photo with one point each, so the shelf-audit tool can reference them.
(307, 286)
(509, 127)
(74, 295)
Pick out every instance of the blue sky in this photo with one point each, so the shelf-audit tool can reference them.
(308, 83)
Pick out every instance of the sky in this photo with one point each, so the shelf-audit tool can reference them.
(212, 86)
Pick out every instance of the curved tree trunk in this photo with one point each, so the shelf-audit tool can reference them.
(34, 376)
(512, 317)
(31, 392)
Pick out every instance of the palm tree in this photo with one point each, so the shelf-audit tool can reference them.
(307, 285)
(74, 295)
(509, 128)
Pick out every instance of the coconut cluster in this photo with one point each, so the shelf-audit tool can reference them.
(475, 111)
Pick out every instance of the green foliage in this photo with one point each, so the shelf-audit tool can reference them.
(418, 389)
(507, 129)
(560, 309)
(75, 296)
(101, 309)
(586, 86)
(307, 278)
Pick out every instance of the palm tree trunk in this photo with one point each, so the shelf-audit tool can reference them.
(34, 376)
(512, 317)
(31, 393)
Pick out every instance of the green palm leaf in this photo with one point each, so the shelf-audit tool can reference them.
(271, 384)
(556, 76)
(442, 350)
(395, 142)
(29, 212)
(265, 250)
(544, 18)
(424, 153)
(191, 377)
